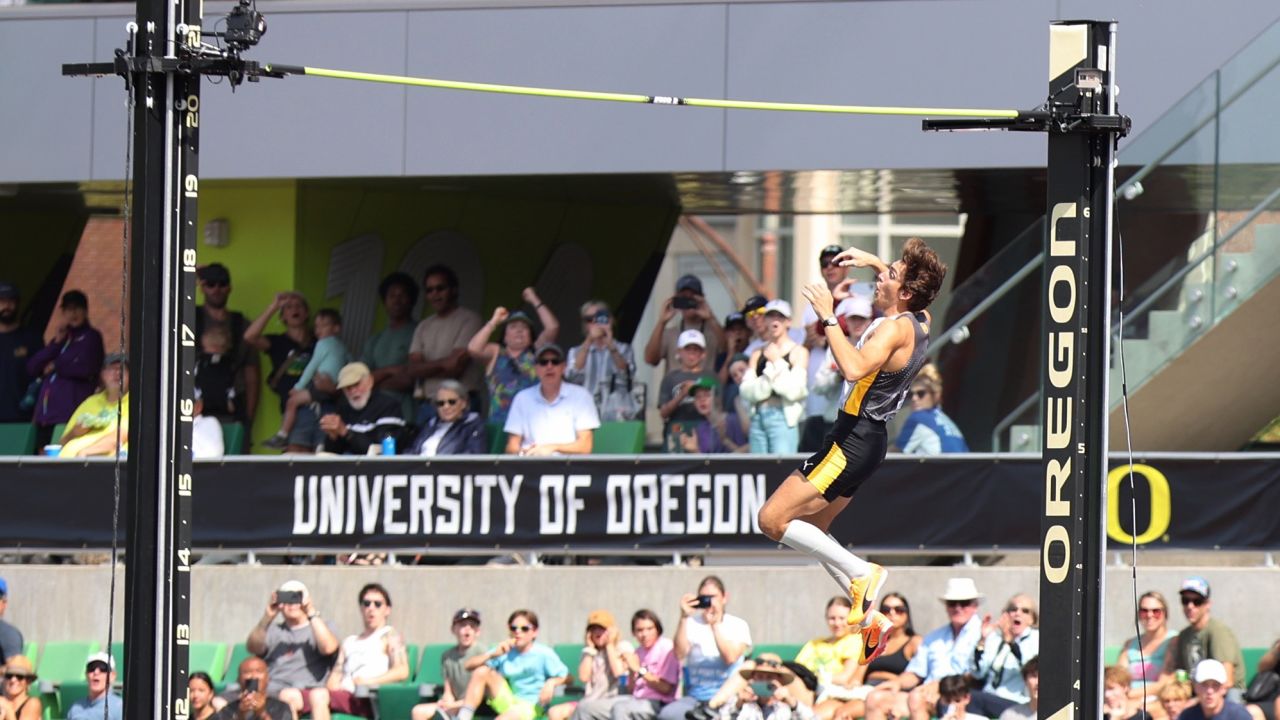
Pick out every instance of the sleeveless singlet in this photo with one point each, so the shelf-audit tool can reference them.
(879, 395)
(1154, 662)
(365, 656)
(895, 663)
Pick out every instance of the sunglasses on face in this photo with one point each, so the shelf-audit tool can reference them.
(447, 401)
(548, 361)
(1192, 600)
(828, 262)
(1015, 609)
(14, 676)
(1154, 612)
(959, 603)
(520, 628)
(893, 609)
(920, 394)
(97, 667)
(372, 603)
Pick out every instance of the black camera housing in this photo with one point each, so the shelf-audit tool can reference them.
(288, 597)
(245, 26)
(704, 601)
(680, 302)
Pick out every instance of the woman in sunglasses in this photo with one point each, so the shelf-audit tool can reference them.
(883, 672)
(1145, 654)
(509, 365)
(18, 676)
(1006, 644)
(454, 430)
(519, 676)
(928, 430)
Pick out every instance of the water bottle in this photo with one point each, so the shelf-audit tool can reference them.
(389, 445)
(622, 683)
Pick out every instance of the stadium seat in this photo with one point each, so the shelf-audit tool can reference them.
(17, 438)
(1251, 657)
(785, 651)
(233, 438)
(397, 701)
(618, 438)
(71, 692)
(497, 440)
(1111, 654)
(117, 654)
(239, 652)
(64, 661)
(30, 649)
(58, 429)
(209, 657)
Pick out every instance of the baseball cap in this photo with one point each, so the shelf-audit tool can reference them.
(691, 337)
(100, 657)
(352, 373)
(550, 348)
(705, 382)
(734, 318)
(294, 586)
(830, 250)
(603, 618)
(8, 291)
(216, 273)
(467, 614)
(689, 282)
(117, 357)
(519, 316)
(1210, 669)
(74, 298)
(855, 305)
(782, 307)
(755, 302)
(1197, 585)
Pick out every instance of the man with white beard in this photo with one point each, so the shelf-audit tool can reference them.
(365, 416)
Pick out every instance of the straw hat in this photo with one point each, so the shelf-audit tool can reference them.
(767, 663)
(20, 665)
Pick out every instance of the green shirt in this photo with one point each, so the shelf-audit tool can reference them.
(1215, 641)
(388, 349)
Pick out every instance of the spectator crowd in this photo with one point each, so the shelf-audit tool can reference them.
(450, 383)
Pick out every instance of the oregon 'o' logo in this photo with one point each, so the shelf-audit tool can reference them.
(1160, 504)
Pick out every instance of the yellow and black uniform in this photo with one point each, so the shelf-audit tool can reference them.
(857, 443)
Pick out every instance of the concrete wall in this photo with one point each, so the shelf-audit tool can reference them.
(970, 53)
(782, 604)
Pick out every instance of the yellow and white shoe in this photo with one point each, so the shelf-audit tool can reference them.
(875, 637)
(864, 591)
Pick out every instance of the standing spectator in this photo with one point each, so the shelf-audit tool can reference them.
(19, 673)
(10, 636)
(553, 417)
(101, 703)
(1031, 678)
(508, 365)
(1213, 681)
(215, 378)
(386, 352)
(928, 430)
(736, 337)
(466, 629)
(68, 366)
(775, 385)
(439, 346)
(710, 643)
(654, 667)
(455, 429)
(317, 378)
(603, 364)
(1206, 638)
(364, 416)
(91, 429)
(1145, 655)
(754, 311)
(519, 676)
(17, 344)
(694, 315)
(998, 656)
(290, 352)
(215, 281)
(675, 394)
(601, 667)
(297, 650)
(254, 700)
(376, 656)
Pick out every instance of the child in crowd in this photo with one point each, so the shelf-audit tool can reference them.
(466, 629)
(714, 432)
(675, 395)
(953, 691)
(215, 368)
(329, 357)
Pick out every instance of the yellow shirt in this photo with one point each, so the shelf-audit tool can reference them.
(826, 658)
(98, 414)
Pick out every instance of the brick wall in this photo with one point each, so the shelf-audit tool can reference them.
(97, 271)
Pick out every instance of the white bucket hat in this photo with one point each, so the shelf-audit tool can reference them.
(961, 588)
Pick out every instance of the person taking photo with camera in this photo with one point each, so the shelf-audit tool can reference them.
(711, 645)
(695, 314)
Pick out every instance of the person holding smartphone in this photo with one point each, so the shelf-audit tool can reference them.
(298, 650)
(695, 314)
(254, 702)
(603, 364)
(711, 644)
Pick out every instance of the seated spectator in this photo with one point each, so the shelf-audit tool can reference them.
(508, 365)
(770, 691)
(1212, 682)
(439, 346)
(604, 365)
(1030, 678)
(454, 429)
(928, 430)
(714, 432)
(998, 657)
(386, 352)
(603, 662)
(953, 693)
(1175, 696)
(68, 367)
(775, 385)
(1206, 637)
(833, 659)
(254, 700)
(200, 692)
(711, 645)
(206, 433)
(553, 417)
(695, 314)
(10, 637)
(19, 673)
(216, 373)
(1146, 654)
(1115, 696)
(883, 672)
(945, 651)
(675, 394)
(290, 352)
(91, 429)
(655, 671)
(375, 657)
(326, 361)
(364, 417)
(1262, 695)
(298, 650)
(466, 629)
(519, 676)
(100, 703)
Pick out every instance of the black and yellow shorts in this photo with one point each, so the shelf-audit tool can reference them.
(853, 450)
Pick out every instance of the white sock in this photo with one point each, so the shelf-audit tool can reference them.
(465, 713)
(809, 539)
(836, 574)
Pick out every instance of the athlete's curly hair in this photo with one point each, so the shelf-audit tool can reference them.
(922, 275)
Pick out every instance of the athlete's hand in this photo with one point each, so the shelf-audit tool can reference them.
(820, 298)
(855, 258)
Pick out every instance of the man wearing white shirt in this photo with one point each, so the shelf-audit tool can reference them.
(553, 417)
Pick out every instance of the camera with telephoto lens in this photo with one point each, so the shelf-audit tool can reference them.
(245, 26)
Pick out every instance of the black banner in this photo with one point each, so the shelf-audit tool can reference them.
(652, 503)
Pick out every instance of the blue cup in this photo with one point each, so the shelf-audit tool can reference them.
(52, 450)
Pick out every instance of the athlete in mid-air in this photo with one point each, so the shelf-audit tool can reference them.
(878, 372)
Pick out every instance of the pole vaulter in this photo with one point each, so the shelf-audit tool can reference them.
(167, 55)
